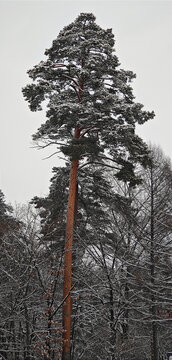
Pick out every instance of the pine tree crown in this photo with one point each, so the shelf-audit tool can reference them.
(84, 88)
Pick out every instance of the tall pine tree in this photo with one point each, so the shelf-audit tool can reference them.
(91, 116)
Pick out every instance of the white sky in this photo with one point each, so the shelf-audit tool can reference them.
(143, 33)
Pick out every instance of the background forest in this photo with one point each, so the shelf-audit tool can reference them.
(121, 283)
(122, 272)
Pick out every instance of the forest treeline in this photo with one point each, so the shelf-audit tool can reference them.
(122, 306)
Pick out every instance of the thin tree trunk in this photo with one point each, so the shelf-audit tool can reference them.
(154, 342)
(70, 224)
(27, 351)
(112, 337)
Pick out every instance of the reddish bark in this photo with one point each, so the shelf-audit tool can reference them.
(70, 224)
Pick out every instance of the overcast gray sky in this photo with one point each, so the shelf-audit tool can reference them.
(143, 33)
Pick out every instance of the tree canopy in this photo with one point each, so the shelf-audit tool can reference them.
(84, 88)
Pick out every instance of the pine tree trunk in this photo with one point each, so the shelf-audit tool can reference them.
(70, 224)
